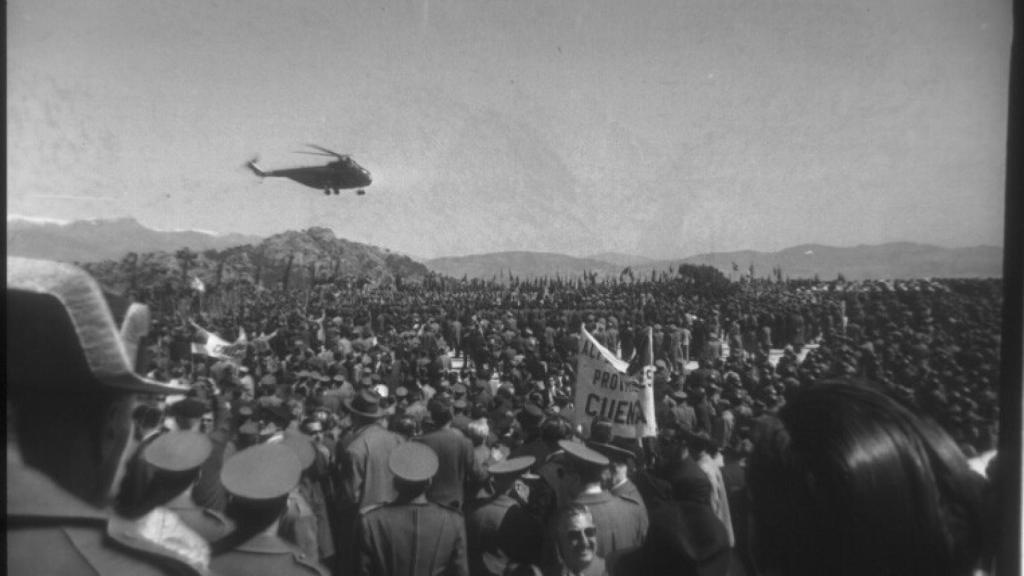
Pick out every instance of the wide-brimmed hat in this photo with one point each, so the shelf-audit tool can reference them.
(59, 323)
(365, 403)
(611, 451)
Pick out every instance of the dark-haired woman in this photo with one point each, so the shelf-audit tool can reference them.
(845, 481)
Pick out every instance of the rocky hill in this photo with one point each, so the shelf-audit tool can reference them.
(295, 259)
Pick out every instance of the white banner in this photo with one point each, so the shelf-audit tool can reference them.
(217, 347)
(603, 388)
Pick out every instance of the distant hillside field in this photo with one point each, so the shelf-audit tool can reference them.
(114, 240)
(894, 260)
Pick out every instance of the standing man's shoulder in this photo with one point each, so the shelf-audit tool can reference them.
(51, 531)
(267, 555)
(448, 511)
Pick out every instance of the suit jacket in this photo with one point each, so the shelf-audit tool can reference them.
(415, 539)
(596, 568)
(500, 531)
(366, 479)
(620, 523)
(456, 465)
(628, 491)
(50, 531)
(266, 555)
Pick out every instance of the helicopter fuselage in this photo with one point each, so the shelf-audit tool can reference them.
(337, 175)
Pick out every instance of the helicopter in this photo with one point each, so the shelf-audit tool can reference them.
(340, 174)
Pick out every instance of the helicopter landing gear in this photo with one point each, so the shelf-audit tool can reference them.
(360, 192)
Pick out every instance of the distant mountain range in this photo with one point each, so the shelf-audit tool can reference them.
(893, 260)
(105, 240)
(97, 240)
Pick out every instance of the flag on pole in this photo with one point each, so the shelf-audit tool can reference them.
(197, 285)
(649, 427)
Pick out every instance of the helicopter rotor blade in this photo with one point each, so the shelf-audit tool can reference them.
(326, 151)
(314, 153)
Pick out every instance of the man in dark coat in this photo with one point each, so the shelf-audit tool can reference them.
(365, 479)
(175, 459)
(499, 529)
(71, 390)
(530, 419)
(455, 455)
(682, 413)
(679, 469)
(686, 538)
(258, 480)
(620, 523)
(412, 536)
(618, 482)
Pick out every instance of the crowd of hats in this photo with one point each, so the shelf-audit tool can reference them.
(932, 344)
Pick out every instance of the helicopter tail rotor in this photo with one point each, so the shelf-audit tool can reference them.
(251, 165)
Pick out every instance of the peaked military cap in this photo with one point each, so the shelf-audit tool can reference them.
(366, 403)
(178, 451)
(512, 466)
(262, 472)
(582, 455)
(413, 462)
(303, 447)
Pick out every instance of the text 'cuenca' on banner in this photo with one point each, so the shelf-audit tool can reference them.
(605, 389)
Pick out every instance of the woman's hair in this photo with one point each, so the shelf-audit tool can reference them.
(847, 481)
(555, 428)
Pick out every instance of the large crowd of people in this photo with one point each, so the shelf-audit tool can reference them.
(803, 427)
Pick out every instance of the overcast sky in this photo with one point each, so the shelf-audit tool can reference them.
(657, 128)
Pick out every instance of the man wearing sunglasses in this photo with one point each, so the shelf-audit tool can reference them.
(576, 541)
(314, 428)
